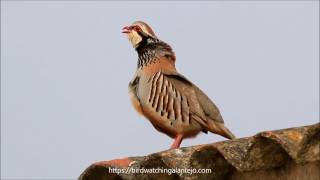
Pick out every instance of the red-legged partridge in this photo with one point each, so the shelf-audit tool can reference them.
(173, 104)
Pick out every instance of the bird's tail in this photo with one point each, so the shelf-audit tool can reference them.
(222, 130)
(226, 132)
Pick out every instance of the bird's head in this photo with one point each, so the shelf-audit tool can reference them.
(137, 31)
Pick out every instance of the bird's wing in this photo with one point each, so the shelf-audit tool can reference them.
(174, 95)
(209, 109)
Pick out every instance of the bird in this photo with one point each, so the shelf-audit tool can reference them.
(173, 104)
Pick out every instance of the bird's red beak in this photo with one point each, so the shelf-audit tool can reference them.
(126, 29)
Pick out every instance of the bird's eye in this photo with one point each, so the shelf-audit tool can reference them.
(137, 28)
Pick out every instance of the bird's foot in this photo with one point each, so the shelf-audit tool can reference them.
(177, 141)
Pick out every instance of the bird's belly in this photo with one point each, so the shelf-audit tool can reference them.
(171, 127)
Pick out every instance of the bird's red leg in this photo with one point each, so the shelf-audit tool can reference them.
(177, 142)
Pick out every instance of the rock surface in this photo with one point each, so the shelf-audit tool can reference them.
(291, 154)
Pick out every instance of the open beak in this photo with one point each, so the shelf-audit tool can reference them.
(126, 29)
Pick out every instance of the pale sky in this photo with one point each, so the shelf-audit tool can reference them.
(65, 68)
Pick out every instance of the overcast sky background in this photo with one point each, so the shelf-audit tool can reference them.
(65, 67)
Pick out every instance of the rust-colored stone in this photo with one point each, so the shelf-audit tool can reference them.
(116, 162)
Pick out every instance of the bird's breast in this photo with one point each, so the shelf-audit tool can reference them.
(162, 64)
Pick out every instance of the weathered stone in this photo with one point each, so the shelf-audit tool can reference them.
(288, 154)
